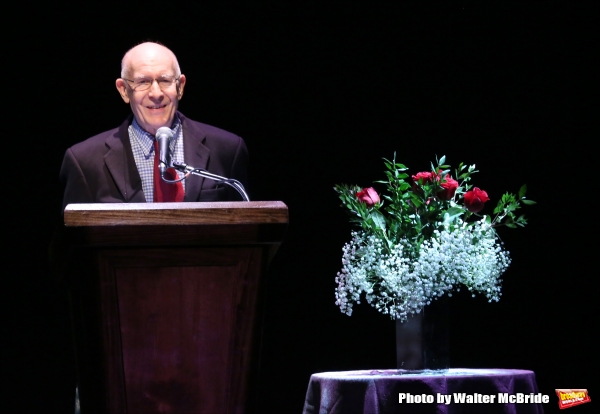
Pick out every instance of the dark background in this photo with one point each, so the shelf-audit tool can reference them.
(321, 94)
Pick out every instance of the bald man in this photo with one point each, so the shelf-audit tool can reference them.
(118, 165)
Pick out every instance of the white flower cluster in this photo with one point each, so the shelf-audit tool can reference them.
(397, 284)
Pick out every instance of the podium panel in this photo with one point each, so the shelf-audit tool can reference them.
(167, 316)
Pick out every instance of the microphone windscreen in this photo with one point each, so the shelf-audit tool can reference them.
(160, 132)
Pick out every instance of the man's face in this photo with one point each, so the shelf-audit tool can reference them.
(154, 107)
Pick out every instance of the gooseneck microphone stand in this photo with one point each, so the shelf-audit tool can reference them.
(183, 167)
(164, 135)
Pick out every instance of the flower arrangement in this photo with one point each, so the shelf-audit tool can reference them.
(424, 238)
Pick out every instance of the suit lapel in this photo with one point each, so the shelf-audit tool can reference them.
(121, 165)
(196, 155)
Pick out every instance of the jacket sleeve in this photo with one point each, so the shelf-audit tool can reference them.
(73, 181)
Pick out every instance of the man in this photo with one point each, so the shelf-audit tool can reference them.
(118, 165)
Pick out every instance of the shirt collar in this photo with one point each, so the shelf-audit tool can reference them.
(146, 140)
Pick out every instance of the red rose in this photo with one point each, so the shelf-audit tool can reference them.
(424, 177)
(368, 196)
(427, 177)
(474, 199)
(449, 188)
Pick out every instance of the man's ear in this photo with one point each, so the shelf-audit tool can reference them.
(122, 88)
(180, 86)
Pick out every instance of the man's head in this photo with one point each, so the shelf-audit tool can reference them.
(153, 65)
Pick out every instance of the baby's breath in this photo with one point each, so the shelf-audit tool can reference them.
(398, 284)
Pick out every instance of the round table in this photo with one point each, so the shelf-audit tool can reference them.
(455, 390)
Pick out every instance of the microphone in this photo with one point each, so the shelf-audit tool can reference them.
(164, 135)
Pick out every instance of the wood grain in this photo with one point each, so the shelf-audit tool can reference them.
(181, 214)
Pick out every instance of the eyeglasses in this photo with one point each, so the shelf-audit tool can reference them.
(143, 84)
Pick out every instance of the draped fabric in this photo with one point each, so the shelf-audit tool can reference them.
(377, 391)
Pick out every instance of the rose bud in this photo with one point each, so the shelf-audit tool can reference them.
(449, 188)
(474, 199)
(368, 196)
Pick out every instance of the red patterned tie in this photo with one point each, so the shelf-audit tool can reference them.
(164, 191)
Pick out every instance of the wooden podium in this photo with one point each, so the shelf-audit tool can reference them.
(166, 303)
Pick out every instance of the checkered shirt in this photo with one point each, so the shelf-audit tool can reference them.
(142, 145)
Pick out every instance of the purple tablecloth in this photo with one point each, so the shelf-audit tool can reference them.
(378, 391)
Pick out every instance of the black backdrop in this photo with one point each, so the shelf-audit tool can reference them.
(320, 95)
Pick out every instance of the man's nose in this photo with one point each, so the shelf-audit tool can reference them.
(155, 88)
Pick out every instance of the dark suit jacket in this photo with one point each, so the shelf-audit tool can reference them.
(101, 169)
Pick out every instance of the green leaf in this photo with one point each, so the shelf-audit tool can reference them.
(454, 212)
(528, 202)
(499, 207)
(522, 191)
(378, 219)
(442, 160)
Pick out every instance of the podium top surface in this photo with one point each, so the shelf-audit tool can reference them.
(203, 213)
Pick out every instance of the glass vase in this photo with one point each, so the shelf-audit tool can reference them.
(422, 341)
